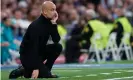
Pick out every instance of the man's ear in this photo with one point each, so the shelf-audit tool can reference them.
(44, 12)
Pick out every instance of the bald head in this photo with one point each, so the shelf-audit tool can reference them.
(48, 9)
(90, 13)
(47, 4)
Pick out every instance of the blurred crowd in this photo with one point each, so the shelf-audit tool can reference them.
(74, 15)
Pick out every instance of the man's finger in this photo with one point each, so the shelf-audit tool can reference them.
(34, 76)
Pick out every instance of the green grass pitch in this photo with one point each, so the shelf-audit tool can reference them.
(84, 74)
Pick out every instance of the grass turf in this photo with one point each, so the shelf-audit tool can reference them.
(84, 74)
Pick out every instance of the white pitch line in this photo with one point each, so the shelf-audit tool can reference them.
(129, 71)
(78, 76)
(91, 75)
(113, 79)
(105, 73)
(131, 77)
(64, 77)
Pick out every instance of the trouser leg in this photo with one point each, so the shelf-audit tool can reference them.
(53, 51)
(43, 72)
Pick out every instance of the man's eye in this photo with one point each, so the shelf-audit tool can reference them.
(52, 9)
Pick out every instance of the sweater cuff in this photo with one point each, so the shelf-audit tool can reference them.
(54, 25)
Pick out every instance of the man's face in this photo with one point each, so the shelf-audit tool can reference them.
(18, 14)
(51, 12)
(8, 22)
(118, 12)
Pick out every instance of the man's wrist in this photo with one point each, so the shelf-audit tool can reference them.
(54, 22)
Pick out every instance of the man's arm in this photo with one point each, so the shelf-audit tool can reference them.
(86, 35)
(87, 32)
(54, 34)
(119, 30)
(34, 38)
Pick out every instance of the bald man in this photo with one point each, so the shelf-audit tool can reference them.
(34, 49)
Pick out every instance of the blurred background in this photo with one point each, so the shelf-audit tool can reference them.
(90, 30)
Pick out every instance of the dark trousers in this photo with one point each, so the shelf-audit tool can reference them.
(52, 51)
(72, 51)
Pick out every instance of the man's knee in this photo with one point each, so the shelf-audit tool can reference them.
(54, 48)
(58, 47)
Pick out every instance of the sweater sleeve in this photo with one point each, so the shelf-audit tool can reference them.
(87, 34)
(35, 60)
(54, 34)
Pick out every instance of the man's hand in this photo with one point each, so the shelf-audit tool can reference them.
(35, 74)
(54, 18)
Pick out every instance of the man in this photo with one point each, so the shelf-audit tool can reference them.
(72, 51)
(93, 27)
(121, 25)
(34, 49)
(7, 43)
